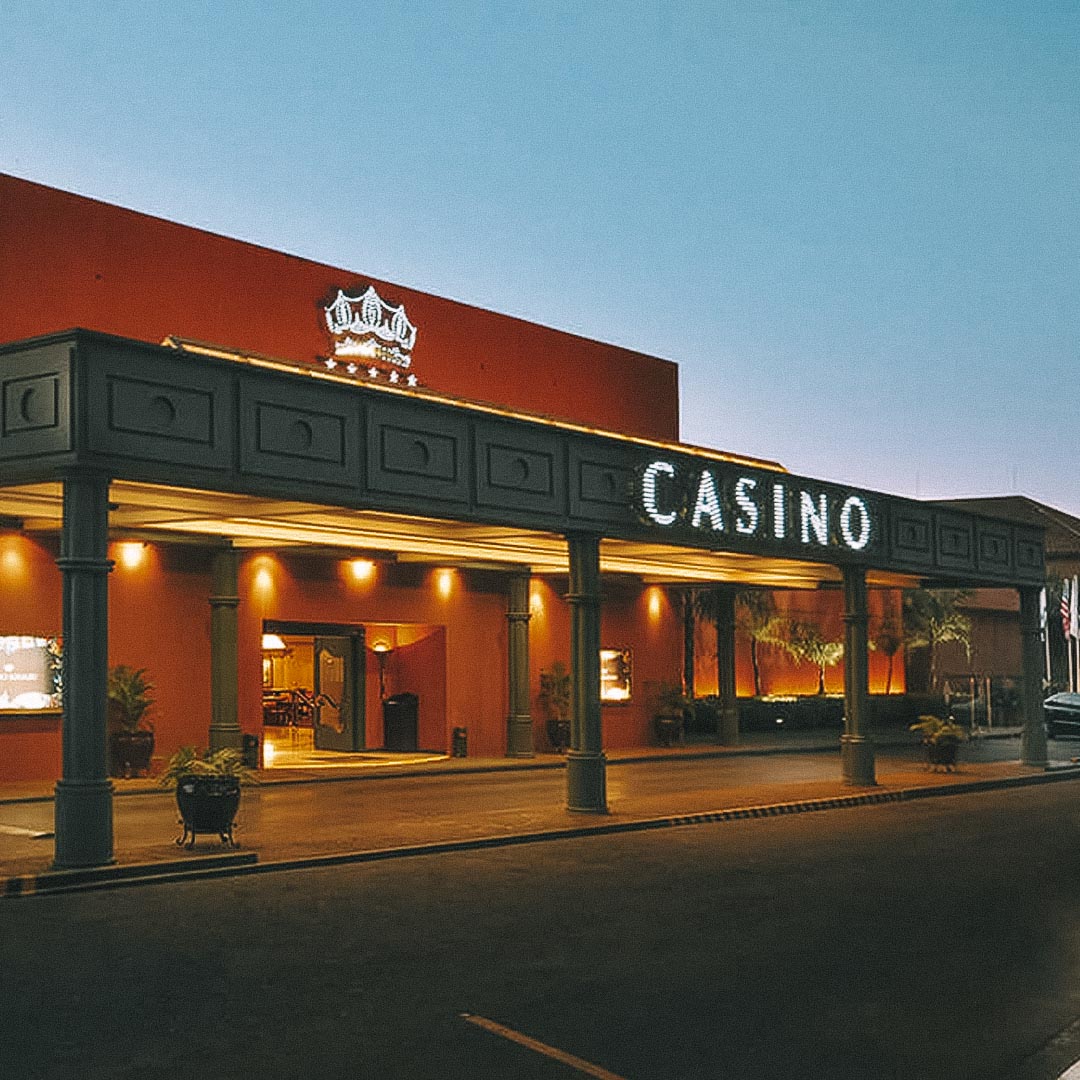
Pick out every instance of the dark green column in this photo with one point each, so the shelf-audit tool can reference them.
(224, 601)
(83, 797)
(856, 750)
(519, 730)
(586, 780)
(1033, 737)
(724, 609)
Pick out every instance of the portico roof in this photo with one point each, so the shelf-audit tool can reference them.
(200, 444)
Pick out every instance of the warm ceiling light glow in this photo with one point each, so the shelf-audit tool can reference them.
(444, 582)
(13, 561)
(380, 646)
(361, 569)
(132, 553)
(536, 603)
(273, 643)
(655, 600)
(263, 581)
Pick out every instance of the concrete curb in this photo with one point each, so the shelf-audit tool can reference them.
(114, 876)
(246, 863)
(516, 765)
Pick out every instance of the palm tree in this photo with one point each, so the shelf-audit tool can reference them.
(687, 602)
(932, 617)
(756, 617)
(805, 642)
(887, 639)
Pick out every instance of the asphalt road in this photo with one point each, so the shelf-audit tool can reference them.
(937, 939)
(293, 821)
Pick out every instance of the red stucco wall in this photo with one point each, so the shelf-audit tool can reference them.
(68, 261)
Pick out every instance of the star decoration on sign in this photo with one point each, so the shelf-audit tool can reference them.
(331, 364)
(394, 376)
(373, 372)
(411, 380)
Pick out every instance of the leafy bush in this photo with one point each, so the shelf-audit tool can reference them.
(188, 761)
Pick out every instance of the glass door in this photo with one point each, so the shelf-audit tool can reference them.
(339, 692)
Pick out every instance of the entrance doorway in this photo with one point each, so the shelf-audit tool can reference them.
(313, 686)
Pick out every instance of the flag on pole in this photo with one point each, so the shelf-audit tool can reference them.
(1065, 607)
(1074, 608)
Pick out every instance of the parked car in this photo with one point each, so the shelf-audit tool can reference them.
(1061, 713)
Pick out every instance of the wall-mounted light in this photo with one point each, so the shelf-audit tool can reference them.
(273, 643)
(361, 569)
(131, 553)
(444, 583)
(262, 581)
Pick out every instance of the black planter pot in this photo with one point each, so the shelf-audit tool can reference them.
(942, 754)
(130, 753)
(207, 804)
(558, 733)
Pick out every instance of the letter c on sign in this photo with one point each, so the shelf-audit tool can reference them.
(648, 492)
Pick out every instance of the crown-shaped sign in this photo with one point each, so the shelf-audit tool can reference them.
(368, 327)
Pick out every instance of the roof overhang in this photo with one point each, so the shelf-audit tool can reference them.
(270, 456)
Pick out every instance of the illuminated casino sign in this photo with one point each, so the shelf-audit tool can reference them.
(773, 508)
(371, 338)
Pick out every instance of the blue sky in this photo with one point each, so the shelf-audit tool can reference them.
(854, 225)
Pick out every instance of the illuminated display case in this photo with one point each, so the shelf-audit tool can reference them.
(616, 672)
(30, 674)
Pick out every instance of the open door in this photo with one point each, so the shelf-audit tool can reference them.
(339, 692)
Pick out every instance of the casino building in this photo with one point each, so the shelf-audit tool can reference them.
(312, 503)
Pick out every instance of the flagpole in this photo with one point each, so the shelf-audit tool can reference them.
(1044, 623)
(1075, 628)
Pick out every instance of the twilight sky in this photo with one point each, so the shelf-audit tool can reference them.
(853, 224)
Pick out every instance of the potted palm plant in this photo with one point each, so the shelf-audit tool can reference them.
(941, 740)
(672, 708)
(131, 734)
(555, 698)
(207, 788)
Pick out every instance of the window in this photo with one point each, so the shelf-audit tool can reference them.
(616, 666)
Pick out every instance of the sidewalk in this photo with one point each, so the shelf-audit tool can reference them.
(299, 817)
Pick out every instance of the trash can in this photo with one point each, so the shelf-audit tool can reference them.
(459, 746)
(250, 751)
(400, 714)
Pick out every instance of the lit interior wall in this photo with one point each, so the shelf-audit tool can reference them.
(30, 603)
(637, 618)
(450, 641)
(159, 619)
(780, 674)
(416, 663)
(464, 616)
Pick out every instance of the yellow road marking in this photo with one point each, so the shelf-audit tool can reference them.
(585, 1067)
